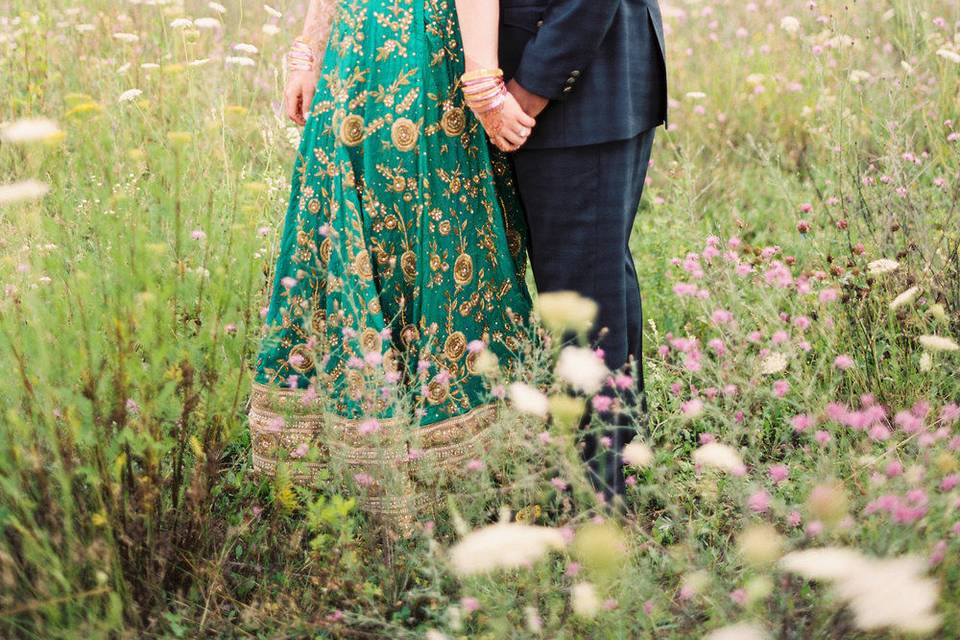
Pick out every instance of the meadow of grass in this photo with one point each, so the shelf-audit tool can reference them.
(798, 251)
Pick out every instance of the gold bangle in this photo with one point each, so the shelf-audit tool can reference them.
(477, 74)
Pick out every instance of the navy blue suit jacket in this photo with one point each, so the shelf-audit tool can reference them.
(601, 62)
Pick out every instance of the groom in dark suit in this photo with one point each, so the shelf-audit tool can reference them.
(592, 73)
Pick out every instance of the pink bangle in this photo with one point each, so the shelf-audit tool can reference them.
(484, 106)
(301, 57)
(496, 104)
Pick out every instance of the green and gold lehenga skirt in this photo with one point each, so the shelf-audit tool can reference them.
(401, 261)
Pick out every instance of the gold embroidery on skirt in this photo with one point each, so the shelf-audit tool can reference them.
(463, 269)
(370, 341)
(363, 265)
(318, 322)
(301, 359)
(404, 134)
(437, 392)
(352, 130)
(408, 263)
(455, 345)
(454, 121)
(326, 248)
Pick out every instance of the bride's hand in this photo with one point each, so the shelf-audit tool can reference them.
(509, 127)
(298, 95)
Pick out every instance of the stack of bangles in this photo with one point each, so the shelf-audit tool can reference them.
(301, 56)
(484, 90)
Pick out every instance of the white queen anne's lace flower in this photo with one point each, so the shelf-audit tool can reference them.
(790, 24)
(740, 631)
(130, 95)
(240, 61)
(947, 54)
(718, 456)
(906, 298)
(638, 454)
(506, 545)
(582, 369)
(882, 593)
(825, 563)
(774, 363)
(29, 130)
(526, 399)
(938, 343)
(206, 23)
(584, 600)
(882, 266)
(24, 191)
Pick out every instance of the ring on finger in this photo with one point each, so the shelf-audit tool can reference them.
(523, 132)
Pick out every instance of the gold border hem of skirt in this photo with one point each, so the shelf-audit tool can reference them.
(445, 445)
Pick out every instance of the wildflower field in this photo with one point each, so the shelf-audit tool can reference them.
(799, 252)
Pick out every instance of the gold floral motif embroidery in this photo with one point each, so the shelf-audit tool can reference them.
(352, 130)
(390, 364)
(455, 345)
(355, 384)
(326, 248)
(472, 362)
(437, 392)
(313, 206)
(370, 341)
(408, 263)
(404, 134)
(301, 360)
(318, 321)
(463, 269)
(454, 121)
(374, 306)
(363, 266)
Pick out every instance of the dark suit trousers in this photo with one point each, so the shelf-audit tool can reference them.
(581, 203)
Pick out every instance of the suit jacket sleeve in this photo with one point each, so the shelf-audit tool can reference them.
(565, 44)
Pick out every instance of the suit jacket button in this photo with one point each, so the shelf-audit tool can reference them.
(567, 89)
(539, 23)
(571, 81)
(574, 74)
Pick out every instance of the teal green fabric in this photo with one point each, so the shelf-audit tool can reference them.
(403, 249)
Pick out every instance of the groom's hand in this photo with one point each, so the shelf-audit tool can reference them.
(531, 103)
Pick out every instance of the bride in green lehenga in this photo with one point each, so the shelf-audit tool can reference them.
(402, 258)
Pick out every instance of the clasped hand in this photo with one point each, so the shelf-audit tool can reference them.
(509, 128)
